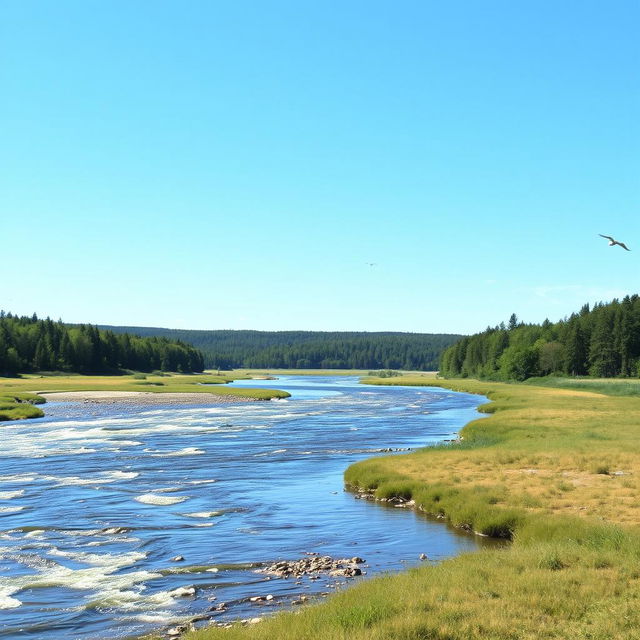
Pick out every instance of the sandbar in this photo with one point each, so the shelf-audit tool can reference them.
(141, 397)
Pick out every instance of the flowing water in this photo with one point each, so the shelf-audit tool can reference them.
(96, 500)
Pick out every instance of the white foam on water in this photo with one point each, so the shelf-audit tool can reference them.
(11, 509)
(187, 451)
(75, 452)
(120, 590)
(111, 561)
(121, 475)
(8, 495)
(161, 618)
(82, 425)
(134, 600)
(6, 601)
(20, 477)
(152, 498)
(269, 453)
(36, 533)
(62, 481)
(203, 514)
(82, 532)
(202, 481)
(103, 477)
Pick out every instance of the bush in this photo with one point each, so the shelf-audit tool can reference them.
(385, 373)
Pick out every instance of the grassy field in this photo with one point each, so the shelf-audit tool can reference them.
(18, 394)
(555, 470)
(608, 386)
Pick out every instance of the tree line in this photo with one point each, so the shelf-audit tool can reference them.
(29, 344)
(226, 349)
(603, 341)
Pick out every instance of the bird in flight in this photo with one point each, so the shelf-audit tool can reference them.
(614, 242)
(372, 264)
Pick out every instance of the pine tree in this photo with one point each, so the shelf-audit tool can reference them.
(575, 350)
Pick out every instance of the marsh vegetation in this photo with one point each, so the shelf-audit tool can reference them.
(557, 472)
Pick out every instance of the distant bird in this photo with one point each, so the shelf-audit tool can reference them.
(613, 242)
(372, 264)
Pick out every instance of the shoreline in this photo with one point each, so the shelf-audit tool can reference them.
(186, 630)
(143, 398)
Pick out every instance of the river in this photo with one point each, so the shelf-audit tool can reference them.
(96, 500)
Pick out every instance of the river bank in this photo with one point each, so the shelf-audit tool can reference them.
(19, 395)
(554, 470)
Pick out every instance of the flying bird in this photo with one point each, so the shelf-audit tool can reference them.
(372, 264)
(613, 242)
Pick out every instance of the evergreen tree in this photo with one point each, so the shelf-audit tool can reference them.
(575, 361)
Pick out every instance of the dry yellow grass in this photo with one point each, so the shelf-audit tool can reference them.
(556, 450)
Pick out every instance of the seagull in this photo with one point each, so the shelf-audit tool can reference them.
(613, 242)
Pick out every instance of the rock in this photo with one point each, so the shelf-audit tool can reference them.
(177, 559)
(257, 599)
(269, 597)
(200, 618)
(177, 631)
(313, 565)
(423, 556)
(255, 620)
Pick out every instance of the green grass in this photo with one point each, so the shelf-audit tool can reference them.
(534, 473)
(608, 386)
(19, 406)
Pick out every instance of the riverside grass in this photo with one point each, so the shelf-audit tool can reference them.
(18, 395)
(542, 470)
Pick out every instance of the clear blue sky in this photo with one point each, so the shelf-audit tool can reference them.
(202, 164)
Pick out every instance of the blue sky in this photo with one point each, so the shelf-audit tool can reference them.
(237, 165)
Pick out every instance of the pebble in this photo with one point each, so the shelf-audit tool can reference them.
(314, 565)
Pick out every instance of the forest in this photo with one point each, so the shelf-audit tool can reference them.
(29, 344)
(603, 341)
(226, 349)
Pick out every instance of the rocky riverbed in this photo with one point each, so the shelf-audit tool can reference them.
(312, 566)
